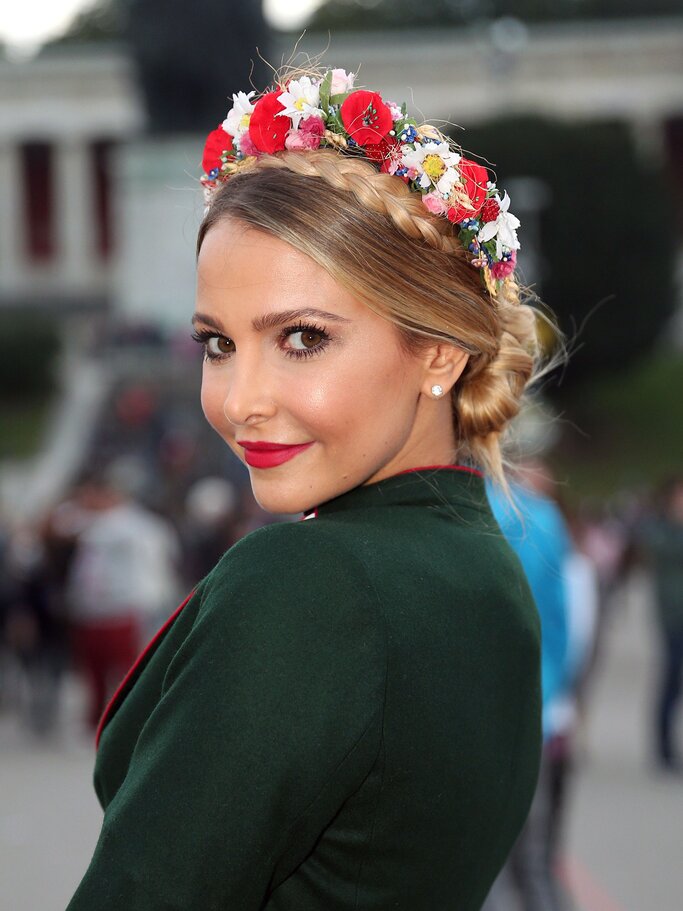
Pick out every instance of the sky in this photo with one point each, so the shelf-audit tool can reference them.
(24, 26)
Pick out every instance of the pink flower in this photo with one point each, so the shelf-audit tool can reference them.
(313, 125)
(342, 82)
(434, 203)
(396, 112)
(298, 141)
(504, 267)
(247, 147)
(413, 173)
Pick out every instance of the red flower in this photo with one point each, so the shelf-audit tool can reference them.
(266, 130)
(366, 118)
(217, 142)
(389, 153)
(491, 210)
(383, 151)
(475, 177)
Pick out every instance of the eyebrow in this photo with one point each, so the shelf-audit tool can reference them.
(274, 319)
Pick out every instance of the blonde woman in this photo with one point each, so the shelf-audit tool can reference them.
(345, 713)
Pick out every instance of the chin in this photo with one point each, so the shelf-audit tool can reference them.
(280, 499)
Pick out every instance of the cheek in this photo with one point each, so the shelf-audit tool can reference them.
(212, 402)
(369, 394)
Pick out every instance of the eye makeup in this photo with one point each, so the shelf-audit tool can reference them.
(306, 332)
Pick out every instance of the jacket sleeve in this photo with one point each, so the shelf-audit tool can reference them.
(269, 718)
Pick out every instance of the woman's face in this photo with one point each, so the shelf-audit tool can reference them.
(294, 360)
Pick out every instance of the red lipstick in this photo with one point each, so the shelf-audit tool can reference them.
(268, 455)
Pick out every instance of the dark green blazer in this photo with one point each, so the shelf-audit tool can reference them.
(344, 716)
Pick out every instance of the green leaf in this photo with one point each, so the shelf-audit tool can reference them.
(325, 87)
(335, 123)
(340, 98)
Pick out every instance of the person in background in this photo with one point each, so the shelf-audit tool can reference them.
(536, 530)
(33, 630)
(122, 582)
(209, 529)
(659, 538)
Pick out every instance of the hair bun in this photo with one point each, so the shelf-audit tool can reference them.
(490, 394)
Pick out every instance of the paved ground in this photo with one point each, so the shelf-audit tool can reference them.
(625, 827)
(625, 838)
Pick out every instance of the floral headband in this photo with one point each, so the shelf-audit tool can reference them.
(315, 113)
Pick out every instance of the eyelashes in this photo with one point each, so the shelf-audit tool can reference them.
(308, 333)
(204, 337)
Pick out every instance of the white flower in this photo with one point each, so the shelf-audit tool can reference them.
(450, 177)
(301, 99)
(237, 120)
(342, 82)
(503, 229)
(437, 163)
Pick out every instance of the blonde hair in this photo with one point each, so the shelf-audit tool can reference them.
(376, 238)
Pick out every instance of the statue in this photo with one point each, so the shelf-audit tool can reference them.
(192, 56)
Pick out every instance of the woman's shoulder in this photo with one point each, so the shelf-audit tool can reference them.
(292, 568)
(302, 546)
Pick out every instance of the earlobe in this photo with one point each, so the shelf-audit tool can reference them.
(444, 367)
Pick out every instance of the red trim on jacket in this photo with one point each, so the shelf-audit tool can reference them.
(109, 708)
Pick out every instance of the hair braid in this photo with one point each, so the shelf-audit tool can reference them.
(378, 192)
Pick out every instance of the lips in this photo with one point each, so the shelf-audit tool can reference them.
(268, 455)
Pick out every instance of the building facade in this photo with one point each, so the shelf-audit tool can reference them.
(93, 214)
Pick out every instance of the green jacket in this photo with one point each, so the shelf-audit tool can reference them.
(344, 716)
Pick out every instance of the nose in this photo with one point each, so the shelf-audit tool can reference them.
(249, 397)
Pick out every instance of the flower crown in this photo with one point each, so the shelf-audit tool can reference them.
(308, 113)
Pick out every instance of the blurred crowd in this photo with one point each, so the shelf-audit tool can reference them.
(86, 585)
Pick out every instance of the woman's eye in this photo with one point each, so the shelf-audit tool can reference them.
(217, 346)
(305, 339)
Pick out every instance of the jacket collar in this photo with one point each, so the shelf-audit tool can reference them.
(429, 485)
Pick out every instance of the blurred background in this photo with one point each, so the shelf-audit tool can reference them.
(107, 466)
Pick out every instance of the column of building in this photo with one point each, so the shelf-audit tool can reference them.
(12, 218)
(75, 214)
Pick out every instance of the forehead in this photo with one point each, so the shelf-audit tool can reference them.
(243, 258)
(241, 270)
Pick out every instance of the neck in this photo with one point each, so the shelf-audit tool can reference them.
(431, 440)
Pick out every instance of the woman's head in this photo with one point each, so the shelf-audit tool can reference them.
(373, 239)
(376, 214)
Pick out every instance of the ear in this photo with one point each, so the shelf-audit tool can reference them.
(443, 365)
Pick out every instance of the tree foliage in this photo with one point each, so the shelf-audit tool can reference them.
(381, 14)
(29, 349)
(105, 21)
(607, 235)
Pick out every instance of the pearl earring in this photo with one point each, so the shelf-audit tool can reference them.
(437, 390)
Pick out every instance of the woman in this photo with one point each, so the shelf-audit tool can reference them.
(345, 713)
